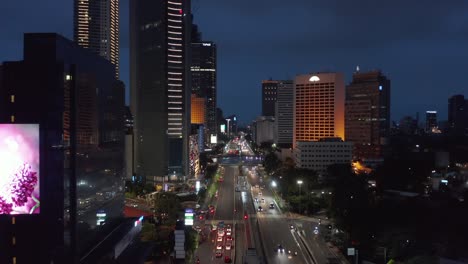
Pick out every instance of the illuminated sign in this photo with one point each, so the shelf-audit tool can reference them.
(431, 112)
(101, 218)
(235, 118)
(188, 217)
(19, 169)
(380, 87)
(206, 44)
(197, 186)
(223, 128)
(314, 79)
(214, 139)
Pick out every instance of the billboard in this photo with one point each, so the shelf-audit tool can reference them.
(19, 169)
(189, 217)
(214, 139)
(223, 128)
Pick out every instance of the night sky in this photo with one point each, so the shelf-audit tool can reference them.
(422, 46)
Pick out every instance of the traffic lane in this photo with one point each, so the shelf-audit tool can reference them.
(225, 200)
(274, 232)
(316, 242)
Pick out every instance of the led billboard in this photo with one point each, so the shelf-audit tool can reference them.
(19, 169)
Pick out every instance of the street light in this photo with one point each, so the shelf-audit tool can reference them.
(228, 130)
(299, 182)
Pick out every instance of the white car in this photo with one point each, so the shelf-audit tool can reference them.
(220, 232)
(259, 193)
(219, 246)
(219, 239)
(263, 200)
(228, 246)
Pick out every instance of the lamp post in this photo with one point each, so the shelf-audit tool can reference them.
(228, 130)
(299, 182)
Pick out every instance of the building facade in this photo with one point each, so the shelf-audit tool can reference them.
(458, 115)
(284, 114)
(264, 129)
(160, 34)
(367, 113)
(203, 74)
(79, 106)
(318, 155)
(198, 112)
(269, 88)
(96, 27)
(431, 122)
(318, 106)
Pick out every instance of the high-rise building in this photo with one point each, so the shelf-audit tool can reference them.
(78, 105)
(96, 27)
(160, 32)
(458, 115)
(198, 113)
(269, 88)
(284, 114)
(431, 121)
(203, 74)
(367, 113)
(318, 106)
(264, 128)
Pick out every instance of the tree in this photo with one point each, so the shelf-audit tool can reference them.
(166, 206)
(271, 162)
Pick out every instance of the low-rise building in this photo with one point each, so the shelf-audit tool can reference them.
(318, 155)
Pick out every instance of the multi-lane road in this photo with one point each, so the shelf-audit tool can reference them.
(265, 230)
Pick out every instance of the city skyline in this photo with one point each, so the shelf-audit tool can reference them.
(403, 50)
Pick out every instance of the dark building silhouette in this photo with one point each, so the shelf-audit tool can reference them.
(431, 121)
(269, 89)
(96, 27)
(203, 70)
(78, 103)
(160, 33)
(458, 115)
(367, 113)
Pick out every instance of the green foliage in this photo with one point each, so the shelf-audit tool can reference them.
(148, 232)
(167, 206)
(271, 163)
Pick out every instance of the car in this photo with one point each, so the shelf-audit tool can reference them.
(227, 259)
(228, 232)
(214, 228)
(263, 200)
(228, 238)
(218, 253)
(259, 193)
(219, 239)
(256, 199)
(220, 232)
(280, 248)
(228, 246)
(260, 209)
(272, 206)
(197, 228)
(219, 246)
(291, 226)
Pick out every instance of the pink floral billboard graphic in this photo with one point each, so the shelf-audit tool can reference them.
(19, 169)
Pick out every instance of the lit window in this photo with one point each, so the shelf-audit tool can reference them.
(12, 98)
(13, 240)
(68, 77)
(13, 220)
(12, 118)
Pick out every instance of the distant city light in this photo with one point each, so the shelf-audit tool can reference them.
(380, 87)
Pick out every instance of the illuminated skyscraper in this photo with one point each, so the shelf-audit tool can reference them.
(160, 86)
(318, 107)
(284, 114)
(367, 115)
(96, 27)
(431, 121)
(203, 70)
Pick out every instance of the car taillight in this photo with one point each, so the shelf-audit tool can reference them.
(245, 217)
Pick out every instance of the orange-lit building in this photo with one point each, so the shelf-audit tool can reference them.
(198, 107)
(318, 107)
